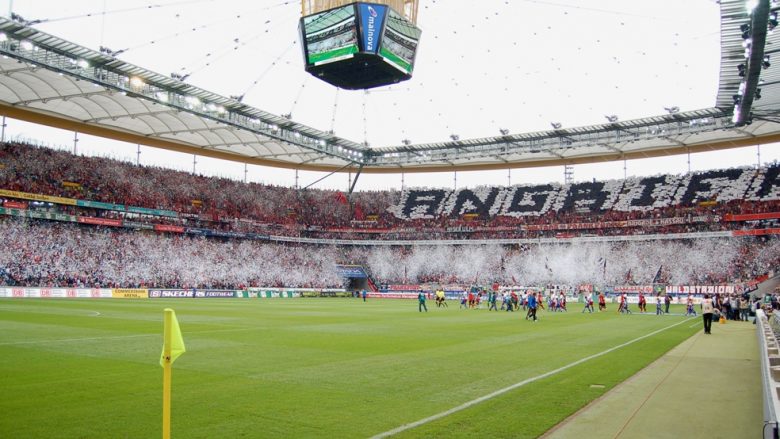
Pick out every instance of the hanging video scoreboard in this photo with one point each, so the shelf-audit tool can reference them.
(359, 46)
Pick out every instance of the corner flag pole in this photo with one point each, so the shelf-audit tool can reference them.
(173, 346)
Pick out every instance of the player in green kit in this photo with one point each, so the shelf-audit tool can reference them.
(421, 299)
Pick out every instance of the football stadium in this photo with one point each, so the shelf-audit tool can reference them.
(401, 218)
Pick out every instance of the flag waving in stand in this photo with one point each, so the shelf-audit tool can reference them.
(657, 277)
(173, 346)
(603, 265)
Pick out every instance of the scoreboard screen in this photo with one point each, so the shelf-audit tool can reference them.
(330, 35)
(399, 43)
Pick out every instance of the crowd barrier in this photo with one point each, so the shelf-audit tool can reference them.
(167, 293)
(678, 293)
(767, 330)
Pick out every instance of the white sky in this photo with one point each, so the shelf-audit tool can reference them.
(481, 66)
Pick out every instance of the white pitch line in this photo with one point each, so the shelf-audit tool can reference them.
(492, 395)
(14, 343)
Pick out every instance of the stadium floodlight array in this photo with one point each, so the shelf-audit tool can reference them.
(755, 21)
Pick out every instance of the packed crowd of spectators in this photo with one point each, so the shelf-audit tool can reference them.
(52, 172)
(227, 204)
(50, 253)
(61, 253)
(44, 253)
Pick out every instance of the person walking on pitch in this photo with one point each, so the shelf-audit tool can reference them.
(531, 307)
(588, 303)
(421, 300)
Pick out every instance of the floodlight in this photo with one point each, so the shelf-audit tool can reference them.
(137, 82)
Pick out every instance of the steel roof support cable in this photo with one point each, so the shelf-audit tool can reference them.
(298, 96)
(365, 122)
(237, 43)
(335, 108)
(273, 64)
(190, 29)
(143, 8)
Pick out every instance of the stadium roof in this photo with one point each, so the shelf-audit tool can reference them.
(51, 81)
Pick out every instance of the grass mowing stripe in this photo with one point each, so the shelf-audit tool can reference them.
(492, 395)
(113, 337)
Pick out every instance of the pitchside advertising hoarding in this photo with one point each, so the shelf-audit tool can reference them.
(275, 293)
(171, 293)
(64, 293)
(679, 293)
(190, 293)
(130, 293)
(704, 289)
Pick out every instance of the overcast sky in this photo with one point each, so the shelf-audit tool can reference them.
(481, 66)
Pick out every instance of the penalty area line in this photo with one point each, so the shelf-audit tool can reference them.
(499, 392)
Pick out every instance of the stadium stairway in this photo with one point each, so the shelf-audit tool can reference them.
(767, 287)
(372, 286)
(709, 386)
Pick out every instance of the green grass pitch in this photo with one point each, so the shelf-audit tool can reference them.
(308, 367)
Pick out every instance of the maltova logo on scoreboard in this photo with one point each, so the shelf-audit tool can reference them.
(372, 17)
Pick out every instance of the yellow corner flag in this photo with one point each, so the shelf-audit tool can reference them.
(173, 346)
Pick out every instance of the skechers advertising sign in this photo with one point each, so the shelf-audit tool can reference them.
(372, 19)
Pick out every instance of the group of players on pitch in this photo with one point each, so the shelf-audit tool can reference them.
(530, 301)
(661, 304)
